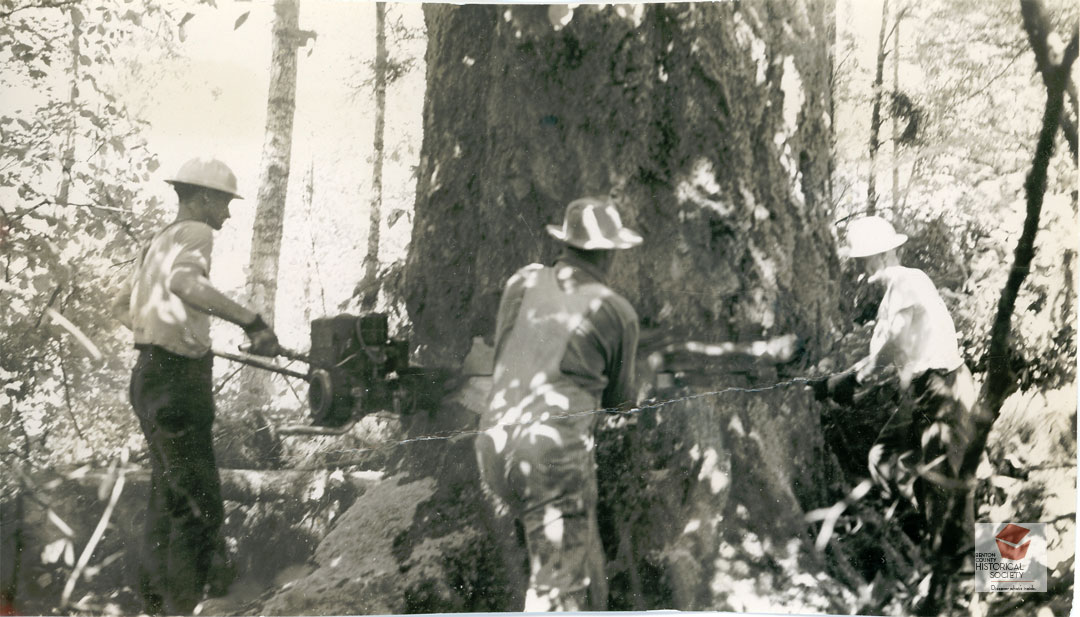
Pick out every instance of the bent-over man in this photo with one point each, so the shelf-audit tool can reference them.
(919, 451)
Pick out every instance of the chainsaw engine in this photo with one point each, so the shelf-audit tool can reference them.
(355, 368)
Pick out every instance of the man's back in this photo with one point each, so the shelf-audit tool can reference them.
(564, 344)
(915, 323)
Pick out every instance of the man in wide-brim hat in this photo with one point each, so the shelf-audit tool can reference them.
(919, 451)
(564, 351)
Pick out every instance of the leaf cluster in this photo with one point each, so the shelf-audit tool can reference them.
(978, 109)
(72, 213)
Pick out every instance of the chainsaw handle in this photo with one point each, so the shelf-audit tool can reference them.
(282, 351)
(252, 361)
(294, 355)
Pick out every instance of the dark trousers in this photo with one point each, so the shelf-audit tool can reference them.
(173, 398)
(924, 442)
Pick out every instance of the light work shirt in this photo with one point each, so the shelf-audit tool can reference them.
(914, 330)
(158, 316)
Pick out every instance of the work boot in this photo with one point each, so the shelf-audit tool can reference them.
(153, 605)
(220, 576)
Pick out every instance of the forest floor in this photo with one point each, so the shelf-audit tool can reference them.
(1031, 477)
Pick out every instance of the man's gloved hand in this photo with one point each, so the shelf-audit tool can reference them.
(263, 340)
(842, 387)
(820, 387)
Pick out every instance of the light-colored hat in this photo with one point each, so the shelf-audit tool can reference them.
(872, 235)
(208, 173)
(593, 223)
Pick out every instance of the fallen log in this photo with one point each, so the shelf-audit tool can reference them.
(248, 486)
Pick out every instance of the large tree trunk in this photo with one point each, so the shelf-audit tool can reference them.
(708, 123)
(718, 155)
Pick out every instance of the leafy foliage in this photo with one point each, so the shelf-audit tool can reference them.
(967, 82)
(72, 211)
(967, 69)
(401, 59)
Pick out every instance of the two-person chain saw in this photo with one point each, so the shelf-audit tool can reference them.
(354, 368)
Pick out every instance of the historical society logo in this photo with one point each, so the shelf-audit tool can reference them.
(1010, 557)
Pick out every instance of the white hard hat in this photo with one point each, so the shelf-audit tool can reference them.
(593, 223)
(208, 173)
(872, 235)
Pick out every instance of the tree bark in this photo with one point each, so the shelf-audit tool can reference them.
(515, 128)
(875, 114)
(895, 119)
(1037, 26)
(267, 229)
(718, 153)
(371, 262)
(277, 150)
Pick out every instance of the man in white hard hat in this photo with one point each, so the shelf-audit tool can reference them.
(564, 351)
(167, 303)
(919, 450)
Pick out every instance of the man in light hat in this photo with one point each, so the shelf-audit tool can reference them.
(919, 450)
(167, 303)
(564, 351)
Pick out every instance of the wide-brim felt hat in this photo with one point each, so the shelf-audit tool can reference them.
(592, 223)
(872, 235)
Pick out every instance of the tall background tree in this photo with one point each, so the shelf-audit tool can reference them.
(274, 176)
(875, 114)
(392, 61)
(371, 262)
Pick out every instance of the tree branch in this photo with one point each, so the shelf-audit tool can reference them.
(991, 81)
(67, 396)
(1038, 28)
(115, 218)
(59, 4)
(999, 379)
